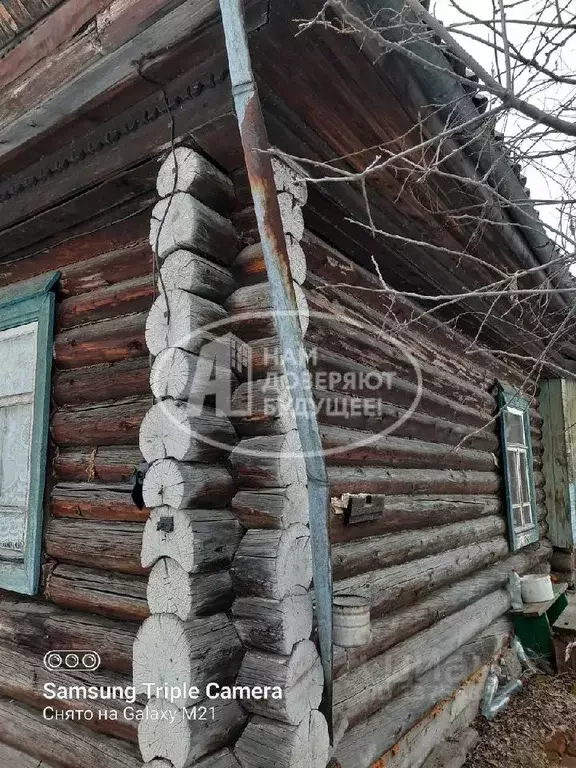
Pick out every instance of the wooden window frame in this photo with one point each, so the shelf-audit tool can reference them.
(528, 532)
(32, 301)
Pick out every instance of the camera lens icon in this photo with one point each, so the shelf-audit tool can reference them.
(72, 660)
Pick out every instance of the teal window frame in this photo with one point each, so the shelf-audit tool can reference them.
(510, 401)
(28, 302)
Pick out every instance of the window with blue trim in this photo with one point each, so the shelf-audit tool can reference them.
(518, 468)
(26, 341)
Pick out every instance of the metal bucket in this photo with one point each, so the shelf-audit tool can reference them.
(351, 621)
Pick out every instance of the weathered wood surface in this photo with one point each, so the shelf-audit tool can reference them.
(184, 741)
(172, 590)
(299, 676)
(179, 485)
(198, 539)
(180, 221)
(274, 625)
(263, 407)
(178, 319)
(273, 563)
(114, 464)
(23, 676)
(401, 585)
(267, 742)
(67, 744)
(184, 170)
(186, 271)
(370, 739)
(290, 180)
(124, 298)
(173, 375)
(108, 341)
(345, 479)
(16, 759)
(96, 501)
(116, 595)
(272, 461)
(252, 304)
(116, 424)
(398, 625)
(172, 652)
(173, 429)
(110, 546)
(403, 513)
(98, 383)
(116, 265)
(249, 265)
(378, 552)
(271, 508)
(361, 692)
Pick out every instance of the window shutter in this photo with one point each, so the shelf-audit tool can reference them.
(26, 350)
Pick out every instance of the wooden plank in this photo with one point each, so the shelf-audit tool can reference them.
(96, 501)
(107, 341)
(539, 609)
(107, 464)
(131, 296)
(108, 268)
(98, 383)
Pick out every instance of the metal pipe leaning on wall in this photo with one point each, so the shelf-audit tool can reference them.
(190, 537)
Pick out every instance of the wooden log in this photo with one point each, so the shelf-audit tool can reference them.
(178, 319)
(125, 298)
(250, 267)
(291, 215)
(379, 552)
(105, 269)
(269, 744)
(172, 590)
(253, 305)
(350, 446)
(271, 461)
(108, 341)
(182, 741)
(98, 383)
(173, 373)
(181, 654)
(112, 546)
(173, 429)
(394, 627)
(222, 759)
(16, 759)
(273, 563)
(175, 484)
(298, 677)
(289, 180)
(186, 271)
(402, 585)
(198, 539)
(23, 677)
(116, 424)
(411, 481)
(274, 625)
(65, 743)
(96, 501)
(109, 464)
(403, 513)
(263, 407)
(184, 170)
(110, 594)
(272, 508)
(368, 688)
(180, 221)
(382, 730)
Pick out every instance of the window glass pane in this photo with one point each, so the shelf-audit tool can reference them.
(18, 356)
(525, 481)
(518, 518)
(514, 478)
(15, 434)
(514, 427)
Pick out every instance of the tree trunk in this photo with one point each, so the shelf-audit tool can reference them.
(179, 485)
(184, 170)
(172, 590)
(186, 271)
(272, 508)
(274, 625)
